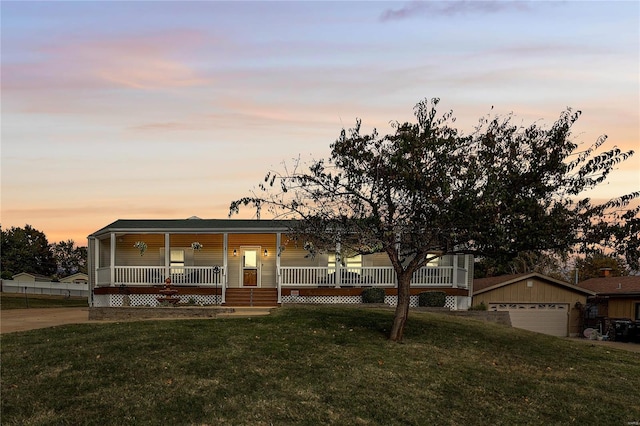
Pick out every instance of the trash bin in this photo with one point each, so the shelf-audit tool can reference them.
(633, 332)
(621, 328)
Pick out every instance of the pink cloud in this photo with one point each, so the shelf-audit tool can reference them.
(140, 62)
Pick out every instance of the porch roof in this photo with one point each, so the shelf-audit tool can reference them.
(193, 225)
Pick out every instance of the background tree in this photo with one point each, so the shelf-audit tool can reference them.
(548, 264)
(592, 266)
(69, 258)
(619, 232)
(427, 190)
(26, 250)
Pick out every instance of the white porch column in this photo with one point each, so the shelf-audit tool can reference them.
(278, 276)
(454, 275)
(468, 266)
(338, 265)
(167, 256)
(225, 266)
(112, 260)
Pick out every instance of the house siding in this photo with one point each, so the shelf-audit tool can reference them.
(540, 292)
(296, 256)
(105, 253)
(128, 255)
(211, 254)
(623, 308)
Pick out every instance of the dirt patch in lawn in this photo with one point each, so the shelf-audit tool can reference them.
(29, 319)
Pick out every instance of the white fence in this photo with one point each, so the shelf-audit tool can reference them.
(50, 288)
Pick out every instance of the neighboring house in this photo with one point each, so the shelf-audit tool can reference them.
(616, 297)
(535, 302)
(77, 278)
(245, 262)
(31, 278)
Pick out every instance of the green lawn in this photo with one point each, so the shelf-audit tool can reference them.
(20, 301)
(309, 366)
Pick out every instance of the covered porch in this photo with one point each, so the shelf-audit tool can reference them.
(227, 262)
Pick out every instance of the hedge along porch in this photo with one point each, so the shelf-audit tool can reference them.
(244, 263)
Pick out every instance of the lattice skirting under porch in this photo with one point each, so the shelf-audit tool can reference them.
(451, 301)
(107, 300)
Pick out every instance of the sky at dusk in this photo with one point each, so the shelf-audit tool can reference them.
(149, 109)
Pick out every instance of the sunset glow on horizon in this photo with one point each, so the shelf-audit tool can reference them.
(150, 110)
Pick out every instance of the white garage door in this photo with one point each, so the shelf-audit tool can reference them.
(547, 318)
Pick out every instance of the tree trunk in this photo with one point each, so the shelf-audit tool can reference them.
(402, 309)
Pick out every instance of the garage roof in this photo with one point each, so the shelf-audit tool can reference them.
(483, 285)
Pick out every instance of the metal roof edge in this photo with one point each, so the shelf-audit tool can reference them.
(177, 226)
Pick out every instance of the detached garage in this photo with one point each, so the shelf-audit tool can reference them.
(535, 302)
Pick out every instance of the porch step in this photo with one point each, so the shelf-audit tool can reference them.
(251, 297)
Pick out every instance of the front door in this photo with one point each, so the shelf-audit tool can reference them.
(250, 266)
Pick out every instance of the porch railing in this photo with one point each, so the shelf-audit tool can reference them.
(155, 275)
(376, 276)
(290, 276)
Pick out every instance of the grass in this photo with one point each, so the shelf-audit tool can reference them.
(22, 301)
(312, 365)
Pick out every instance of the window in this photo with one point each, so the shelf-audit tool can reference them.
(434, 262)
(250, 259)
(354, 262)
(637, 311)
(177, 261)
(591, 311)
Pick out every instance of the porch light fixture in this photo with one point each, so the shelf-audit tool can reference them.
(266, 253)
(235, 252)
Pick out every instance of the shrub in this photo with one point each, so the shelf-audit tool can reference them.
(432, 299)
(373, 295)
(480, 307)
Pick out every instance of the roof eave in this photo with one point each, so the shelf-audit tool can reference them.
(536, 275)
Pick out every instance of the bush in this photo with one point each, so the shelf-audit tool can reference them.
(432, 299)
(373, 295)
(480, 307)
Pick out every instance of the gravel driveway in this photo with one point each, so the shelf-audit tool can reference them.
(29, 319)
